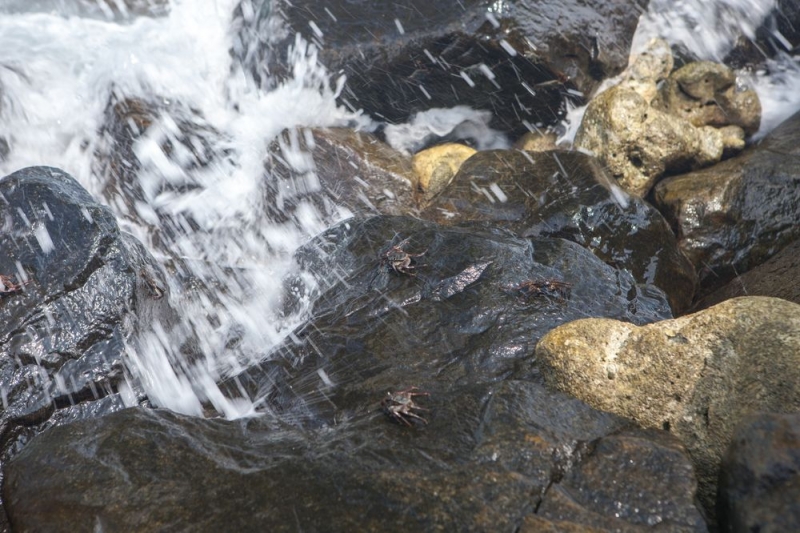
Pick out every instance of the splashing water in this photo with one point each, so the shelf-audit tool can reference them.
(58, 72)
(57, 75)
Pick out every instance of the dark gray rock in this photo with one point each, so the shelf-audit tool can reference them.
(778, 277)
(516, 59)
(336, 168)
(489, 457)
(464, 316)
(569, 195)
(87, 289)
(760, 476)
(737, 214)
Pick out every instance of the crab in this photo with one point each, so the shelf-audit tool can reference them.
(8, 286)
(400, 406)
(545, 287)
(400, 261)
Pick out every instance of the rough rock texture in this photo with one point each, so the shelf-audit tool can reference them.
(489, 457)
(697, 376)
(778, 277)
(87, 289)
(736, 215)
(463, 314)
(537, 142)
(515, 59)
(436, 167)
(706, 94)
(334, 168)
(639, 143)
(650, 67)
(568, 195)
(760, 477)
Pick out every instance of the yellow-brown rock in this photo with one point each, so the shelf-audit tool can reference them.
(696, 376)
(435, 168)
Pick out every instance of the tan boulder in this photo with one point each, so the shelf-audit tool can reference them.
(639, 144)
(435, 168)
(696, 376)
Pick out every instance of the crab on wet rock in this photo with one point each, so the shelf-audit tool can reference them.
(401, 407)
(399, 260)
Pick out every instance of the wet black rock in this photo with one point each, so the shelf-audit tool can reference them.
(470, 309)
(487, 460)
(516, 59)
(85, 288)
(335, 168)
(779, 277)
(569, 195)
(737, 214)
(760, 477)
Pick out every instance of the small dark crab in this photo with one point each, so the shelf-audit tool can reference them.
(8, 286)
(400, 406)
(543, 287)
(400, 261)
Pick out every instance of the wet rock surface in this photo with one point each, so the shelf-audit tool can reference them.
(468, 310)
(697, 376)
(436, 167)
(516, 59)
(490, 456)
(779, 277)
(658, 122)
(335, 168)
(85, 291)
(760, 475)
(739, 213)
(639, 143)
(568, 195)
(705, 94)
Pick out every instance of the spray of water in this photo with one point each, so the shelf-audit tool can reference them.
(58, 74)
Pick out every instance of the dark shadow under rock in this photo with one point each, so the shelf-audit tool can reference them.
(469, 309)
(485, 461)
(569, 195)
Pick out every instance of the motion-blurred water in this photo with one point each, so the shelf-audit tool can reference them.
(61, 61)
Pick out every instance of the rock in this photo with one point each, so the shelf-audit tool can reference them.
(486, 461)
(435, 168)
(517, 61)
(760, 476)
(537, 142)
(706, 94)
(779, 277)
(86, 288)
(585, 495)
(697, 376)
(337, 168)
(568, 195)
(739, 213)
(639, 144)
(461, 315)
(648, 68)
